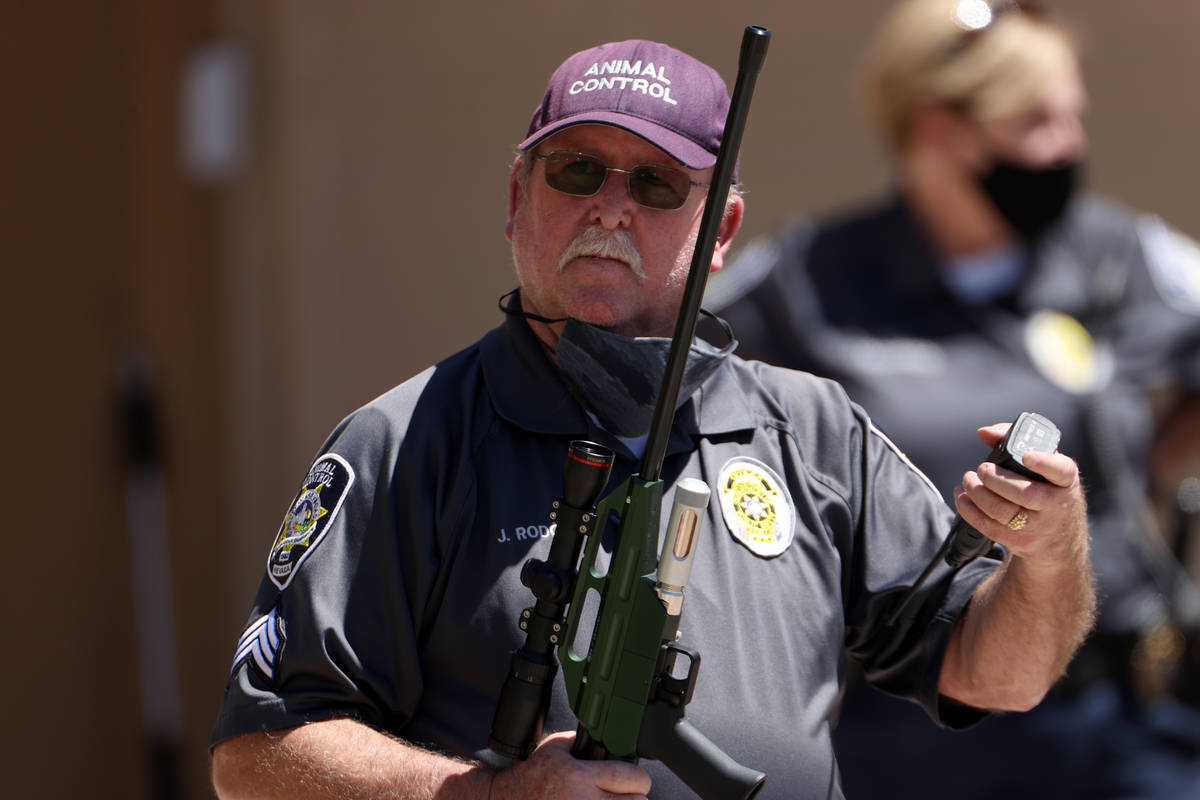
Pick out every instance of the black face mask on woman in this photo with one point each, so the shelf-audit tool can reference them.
(1031, 199)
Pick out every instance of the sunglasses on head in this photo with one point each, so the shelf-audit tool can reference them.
(975, 17)
(582, 175)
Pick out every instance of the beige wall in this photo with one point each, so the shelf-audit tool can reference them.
(106, 251)
(361, 241)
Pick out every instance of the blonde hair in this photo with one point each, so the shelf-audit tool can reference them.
(921, 56)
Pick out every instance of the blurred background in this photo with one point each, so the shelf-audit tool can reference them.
(226, 224)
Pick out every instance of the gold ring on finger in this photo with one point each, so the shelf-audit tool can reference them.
(1018, 520)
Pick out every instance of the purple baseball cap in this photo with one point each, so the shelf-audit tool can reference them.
(654, 91)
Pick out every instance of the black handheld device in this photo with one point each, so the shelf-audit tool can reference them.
(1029, 432)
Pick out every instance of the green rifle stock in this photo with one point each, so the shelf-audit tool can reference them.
(609, 685)
(625, 690)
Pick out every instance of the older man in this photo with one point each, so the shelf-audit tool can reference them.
(379, 640)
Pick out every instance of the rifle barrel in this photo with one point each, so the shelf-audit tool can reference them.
(753, 51)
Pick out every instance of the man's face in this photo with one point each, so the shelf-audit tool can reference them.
(605, 290)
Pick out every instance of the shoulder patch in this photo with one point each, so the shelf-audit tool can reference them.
(261, 643)
(1174, 263)
(756, 506)
(309, 516)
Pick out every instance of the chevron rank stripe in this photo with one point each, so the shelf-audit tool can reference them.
(261, 643)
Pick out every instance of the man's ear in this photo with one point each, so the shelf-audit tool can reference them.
(514, 196)
(731, 220)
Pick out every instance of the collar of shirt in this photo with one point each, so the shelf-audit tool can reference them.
(981, 277)
(527, 391)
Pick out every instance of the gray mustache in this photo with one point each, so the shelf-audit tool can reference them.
(597, 242)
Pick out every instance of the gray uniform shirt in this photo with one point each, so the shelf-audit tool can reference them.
(392, 593)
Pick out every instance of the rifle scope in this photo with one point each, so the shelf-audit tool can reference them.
(521, 710)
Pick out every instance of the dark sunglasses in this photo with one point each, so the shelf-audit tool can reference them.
(652, 186)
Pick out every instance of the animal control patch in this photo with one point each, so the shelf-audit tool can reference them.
(309, 516)
(756, 506)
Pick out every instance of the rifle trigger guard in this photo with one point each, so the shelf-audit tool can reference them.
(677, 691)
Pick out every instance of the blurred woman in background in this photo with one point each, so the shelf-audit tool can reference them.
(987, 284)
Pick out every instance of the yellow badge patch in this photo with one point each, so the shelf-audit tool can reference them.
(1065, 353)
(756, 506)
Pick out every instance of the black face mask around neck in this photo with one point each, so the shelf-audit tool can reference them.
(1031, 199)
(513, 308)
(617, 377)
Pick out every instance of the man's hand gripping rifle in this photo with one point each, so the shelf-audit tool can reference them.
(627, 690)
